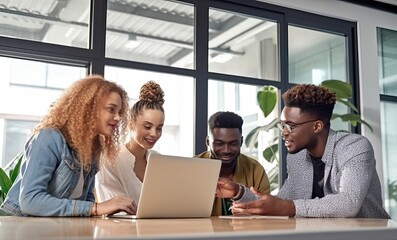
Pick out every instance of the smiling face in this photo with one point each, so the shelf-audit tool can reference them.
(109, 114)
(225, 144)
(147, 128)
(304, 130)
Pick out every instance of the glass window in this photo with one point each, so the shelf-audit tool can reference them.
(39, 82)
(58, 22)
(57, 76)
(244, 46)
(387, 52)
(387, 40)
(160, 34)
(389, 141)
(14, 134)
(178, 136)
(27, 88)
(315, 56)
(241, 99)
(151, 31)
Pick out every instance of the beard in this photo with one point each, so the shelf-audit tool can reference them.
(225, 164)
(229, 164)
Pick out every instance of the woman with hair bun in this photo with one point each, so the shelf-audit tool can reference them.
(125, 176)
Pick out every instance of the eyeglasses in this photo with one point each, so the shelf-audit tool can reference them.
(291, 126)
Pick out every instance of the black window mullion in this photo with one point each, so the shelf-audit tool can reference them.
(98, 35)
(201, 65)
(282, 32)
(353, 69)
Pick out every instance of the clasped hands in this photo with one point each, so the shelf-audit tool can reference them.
(265, 205)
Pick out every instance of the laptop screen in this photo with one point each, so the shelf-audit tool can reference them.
(178, 187)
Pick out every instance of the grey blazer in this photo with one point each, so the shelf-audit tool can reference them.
(351, 183)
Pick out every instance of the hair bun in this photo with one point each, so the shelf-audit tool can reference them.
(152, 92)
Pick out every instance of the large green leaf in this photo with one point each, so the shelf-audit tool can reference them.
(5, 182)
(252, 137)
(352, 118)
(267, 99)
(14, 173)
(2, 197)
(270, 153)
(348, 104)
(340, 88)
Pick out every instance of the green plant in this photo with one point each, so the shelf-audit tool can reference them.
(6, 180)
(267, 100)
(392, 189)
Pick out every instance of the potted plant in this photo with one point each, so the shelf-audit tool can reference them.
(267, 100)
(7, 179)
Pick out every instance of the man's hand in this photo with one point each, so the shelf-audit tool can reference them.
(266, 205)
(226, 188)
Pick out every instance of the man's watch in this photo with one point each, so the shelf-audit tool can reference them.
(239, 194)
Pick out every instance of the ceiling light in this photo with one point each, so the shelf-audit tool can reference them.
(132, 42)
(222, 57)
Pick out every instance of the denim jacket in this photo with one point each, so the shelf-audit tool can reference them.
(49, 173)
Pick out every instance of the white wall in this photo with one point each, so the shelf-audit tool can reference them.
(367, 21)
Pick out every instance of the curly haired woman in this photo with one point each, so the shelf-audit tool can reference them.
(125, 177)
(86, 124)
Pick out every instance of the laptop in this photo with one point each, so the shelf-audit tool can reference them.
(177, 187)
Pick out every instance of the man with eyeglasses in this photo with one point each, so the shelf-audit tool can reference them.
(224, 142)
(330, 173)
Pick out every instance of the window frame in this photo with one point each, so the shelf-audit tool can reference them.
(94, 57)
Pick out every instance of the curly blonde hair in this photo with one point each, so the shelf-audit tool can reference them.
(151, 96)
(76, 114)
(315, 100)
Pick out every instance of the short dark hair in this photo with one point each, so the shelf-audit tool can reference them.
(315, 100)
(225, 120)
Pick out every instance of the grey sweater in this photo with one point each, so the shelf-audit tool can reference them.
(351, 183)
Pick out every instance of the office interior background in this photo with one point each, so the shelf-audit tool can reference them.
(208, 56)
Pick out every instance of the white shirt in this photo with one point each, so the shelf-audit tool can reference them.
(119, 179)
